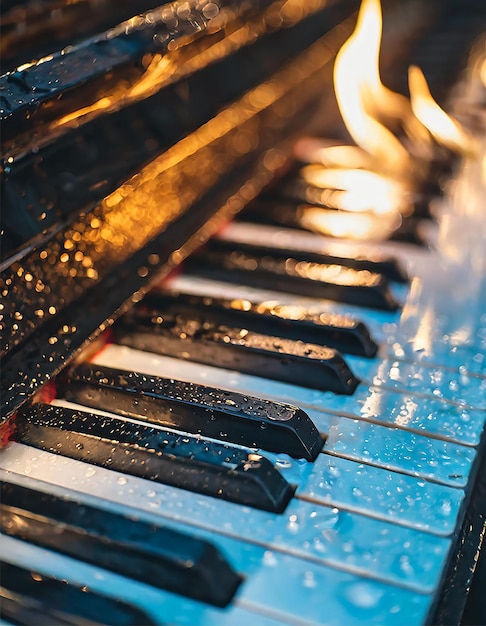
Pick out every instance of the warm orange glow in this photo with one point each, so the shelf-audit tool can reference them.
(358, 88)
(362, 190)
(188, 54)
(443, 128)
(314, 150)
(357, 226)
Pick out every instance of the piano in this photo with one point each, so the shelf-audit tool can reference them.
(200, 424)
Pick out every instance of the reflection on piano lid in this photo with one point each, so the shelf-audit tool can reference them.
(360, 512)
(106, 245)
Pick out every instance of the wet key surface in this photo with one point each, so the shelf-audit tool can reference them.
(150, 553)
(197, 409)
(186, 461)
(261, 267)
(242, 350)
(388, 266)
(28, 597)
(268, 317)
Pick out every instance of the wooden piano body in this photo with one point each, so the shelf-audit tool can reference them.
(386, 523)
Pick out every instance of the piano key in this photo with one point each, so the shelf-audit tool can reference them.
(423, 380)
(383, 494)
(433, 459)
(28, 598)
(153, 554)
(308, 218)
(276, 589)
(239, 349)
(312, 532)
(377, 321)
(407, 257)
(163, 606)
(386, 265)
(453, 384)
(189, 462)
(451, 338)
(396, 449)
(264, 267)
(291, 322)
(197, 409)
(455, 380)
(430, 416)
(389, 495)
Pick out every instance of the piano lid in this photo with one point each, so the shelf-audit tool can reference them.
(96, 246)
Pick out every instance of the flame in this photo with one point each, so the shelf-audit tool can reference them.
(442, 127)
(357, 84)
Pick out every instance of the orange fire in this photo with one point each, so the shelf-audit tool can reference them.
(442, 127)
(374, 178)
(359, 89)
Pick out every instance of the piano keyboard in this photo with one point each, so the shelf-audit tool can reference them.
(294, 438)
(367, 535)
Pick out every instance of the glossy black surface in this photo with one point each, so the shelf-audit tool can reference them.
(61, 290)
(182, 460)
(293, 362)
(289, 271)
(269, 318)
(28, 597)
(272, 210)
(153, 554)
(196, 409)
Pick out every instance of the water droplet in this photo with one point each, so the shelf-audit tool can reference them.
(309, 580)
(269, 558)
(363, 595)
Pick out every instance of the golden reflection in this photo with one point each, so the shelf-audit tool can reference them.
(364, 190)
(317, 150)
(180, 60)
(335, 274)
(153, 199)
(347, 225)
(444, 129)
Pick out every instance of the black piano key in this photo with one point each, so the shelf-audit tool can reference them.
(196, 409)
(291, 272)
(329, 222)
(267, 317)
(388, 266)
(28, 597)
(293, 362)
(185, 461)
(153, 554)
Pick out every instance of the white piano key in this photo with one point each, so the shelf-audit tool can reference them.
(164, 607)
(276, 589)
(395, 449)
(317, 533)
(410, 256)
(402, 451)
(451, 385)
(427, 415)
(378, 322)
(383, 494)
(394, 373)
(419, 333)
